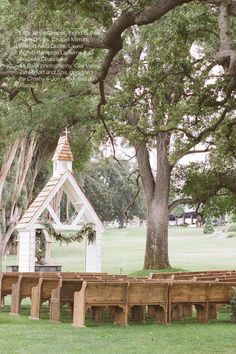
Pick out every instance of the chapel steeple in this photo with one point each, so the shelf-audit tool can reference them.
(62, 158)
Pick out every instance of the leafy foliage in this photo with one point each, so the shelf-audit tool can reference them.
(111, 187)
(208, 228)
(231, 227)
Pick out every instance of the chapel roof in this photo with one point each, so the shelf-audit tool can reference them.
(46, 195)
(39, 200)
(63, 150)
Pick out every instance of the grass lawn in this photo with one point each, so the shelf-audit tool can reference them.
(123, 251)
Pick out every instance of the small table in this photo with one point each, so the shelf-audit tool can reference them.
(38, 268)
(12, 268)
(47, 268)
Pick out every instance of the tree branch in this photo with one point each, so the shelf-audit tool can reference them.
(135, 196)
(143, 159)
(180, 201)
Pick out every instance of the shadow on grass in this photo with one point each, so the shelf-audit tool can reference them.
(223, 317)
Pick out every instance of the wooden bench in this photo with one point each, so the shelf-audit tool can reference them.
(42, 292)
(49, 289)
(190, 275)
(22, 289)
(153, 294)
(122, 296)
(68, 285)
(101, 294)
(6, 282)
(202, 294)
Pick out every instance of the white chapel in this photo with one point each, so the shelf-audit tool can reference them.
(47, 205)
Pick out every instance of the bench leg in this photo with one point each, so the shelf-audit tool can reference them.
(97, 313)
(187, 310)
(161, 315)
(112, 312)
(137, 313)
(202, 313)
(55, 310)
(151, 311)
(2, 302)
(176, 312)
(55, 305)
(15, 300)
(212, 312)
(79, 308)
(35, 303)
(121, 316)
(158, 312)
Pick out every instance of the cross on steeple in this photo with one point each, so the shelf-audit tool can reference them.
(66, 133)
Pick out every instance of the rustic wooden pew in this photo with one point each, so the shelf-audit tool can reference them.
(202, 294)
(64, 293)
(190, 275)
(22, 289)
(183, 293)
(179, 311)
(153, 294)
(102, 294)
(201, 277)
(122, 296)
(231, 280)
(42, 292)
(6, 281)
(215, 277)
(49, 282)
(50, 289)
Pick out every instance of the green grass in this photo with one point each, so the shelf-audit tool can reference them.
(24, 336)
(123, 252)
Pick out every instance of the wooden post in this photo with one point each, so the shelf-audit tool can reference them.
(79, 307)
(15, 297)
(35, 301)
(55, 305)
(90, 256)
(26, 251)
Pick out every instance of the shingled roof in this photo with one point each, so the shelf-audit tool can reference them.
(40, 199)
(63, 151)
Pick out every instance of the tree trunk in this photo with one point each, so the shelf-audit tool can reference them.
(156, 254)
(156, 190)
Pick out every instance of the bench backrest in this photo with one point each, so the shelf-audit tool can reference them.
(188, 291)
(147, 292)
(6, 282)
(102, 293)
